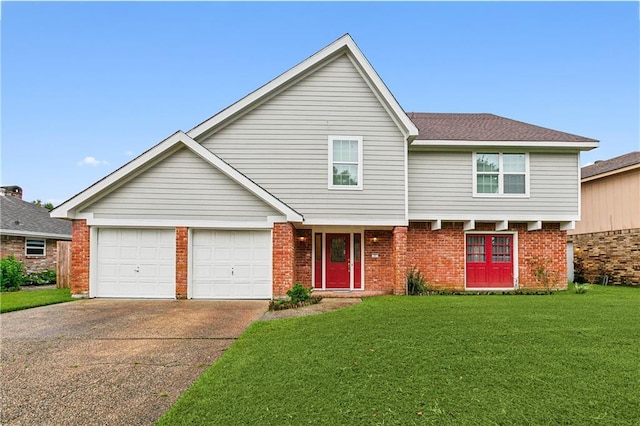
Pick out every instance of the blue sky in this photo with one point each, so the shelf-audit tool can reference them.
(88, 86)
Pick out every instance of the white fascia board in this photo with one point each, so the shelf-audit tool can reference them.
(15, 233)
(492, 218)
(582, 146)
(173, 223)
(65, 210)
(354, 222)
(343, 43)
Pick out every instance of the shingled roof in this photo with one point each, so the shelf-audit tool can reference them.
(606, 166)
(484, 127)
(22, 218)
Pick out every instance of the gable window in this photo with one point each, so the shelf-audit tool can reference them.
(35, 247)
(500, 174)
(345, 162)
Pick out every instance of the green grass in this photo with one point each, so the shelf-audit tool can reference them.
(15, 301)
(473, 360)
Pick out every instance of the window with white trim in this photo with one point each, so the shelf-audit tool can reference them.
(500, 174)
(345, 162)
(34, 247)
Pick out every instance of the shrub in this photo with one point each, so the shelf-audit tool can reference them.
(547, 278)
(42, 278)
(299, 293)
(581, 288)
(12, 274)
(416, 283)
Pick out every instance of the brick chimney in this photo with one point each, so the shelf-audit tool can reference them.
(11, 191)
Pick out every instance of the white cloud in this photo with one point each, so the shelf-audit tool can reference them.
(128, 153)
(91, 161)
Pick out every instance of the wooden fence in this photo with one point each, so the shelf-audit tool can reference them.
(63, 266)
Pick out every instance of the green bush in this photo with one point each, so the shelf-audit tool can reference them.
(581, 288)
(299, 293)
(416, 283)
(42, 278)
(11, 274)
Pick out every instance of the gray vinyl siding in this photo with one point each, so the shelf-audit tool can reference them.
(182, 186)
(282, 145)
(441, 185)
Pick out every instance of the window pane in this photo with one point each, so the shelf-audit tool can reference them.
(35, 247)
(501, 247)
(345, 175)
(475, 249)
(514, 163)
(487, 184)
(345, 151)
(487, 162)
(318, 247)
(338, 249)
(356, 247)
(514, 184)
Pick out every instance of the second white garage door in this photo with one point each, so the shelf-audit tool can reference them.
(231, 264)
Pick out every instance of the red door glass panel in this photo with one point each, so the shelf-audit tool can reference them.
(337, 260)
(489, 261)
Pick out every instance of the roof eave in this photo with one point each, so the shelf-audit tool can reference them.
(573, 145)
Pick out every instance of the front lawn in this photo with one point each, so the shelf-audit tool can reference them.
(560, 359)
(15, 301)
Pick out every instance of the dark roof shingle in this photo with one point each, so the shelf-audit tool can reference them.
(18, 215)
(484, 127)
(600, 167)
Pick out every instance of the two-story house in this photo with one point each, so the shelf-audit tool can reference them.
(319, 177)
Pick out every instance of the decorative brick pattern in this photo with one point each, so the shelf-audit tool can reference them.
(283, 258)
(182, 261)
(379, 269)
(14, 245)
(80, 251)
(399, 242)
(614, 253)
(303, 245)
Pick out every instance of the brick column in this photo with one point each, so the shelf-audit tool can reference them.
(399, 254)
(283, 258)
(80, 250)
(182, 261)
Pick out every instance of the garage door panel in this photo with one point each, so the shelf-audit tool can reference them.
(136, 263)
(231, 264)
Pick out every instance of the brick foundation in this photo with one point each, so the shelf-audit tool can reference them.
(303, 261)
(379, 272)
(80, 249)
(182, 261)
(614, 253)
(399, 250)
(284, 258)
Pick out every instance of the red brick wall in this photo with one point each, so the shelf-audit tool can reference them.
(283, 258)
(399, 242)
(182, 261)
(379, 273)
(548, 243)
(439, 255)
(14, 245)
(303, 260)
(80, 249)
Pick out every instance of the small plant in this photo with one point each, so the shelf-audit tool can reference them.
(547, 278)
(11, 274)
(299, 293)
(416, 283)
(581, 288)
(41, 278)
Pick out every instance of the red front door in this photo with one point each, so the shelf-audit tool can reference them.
(489, 261)
(338, 251)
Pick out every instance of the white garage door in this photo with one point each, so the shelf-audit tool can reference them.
(136, 263)
(231, 264)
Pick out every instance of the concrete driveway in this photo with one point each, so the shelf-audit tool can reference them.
(111, 362)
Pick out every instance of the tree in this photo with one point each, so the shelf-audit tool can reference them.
(48, 206)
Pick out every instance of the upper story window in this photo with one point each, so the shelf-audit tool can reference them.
(35, 247)
(497, 174)
(345, 162)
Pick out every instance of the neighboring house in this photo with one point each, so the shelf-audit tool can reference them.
(319, 177)
(28, 232)
(606, 241)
